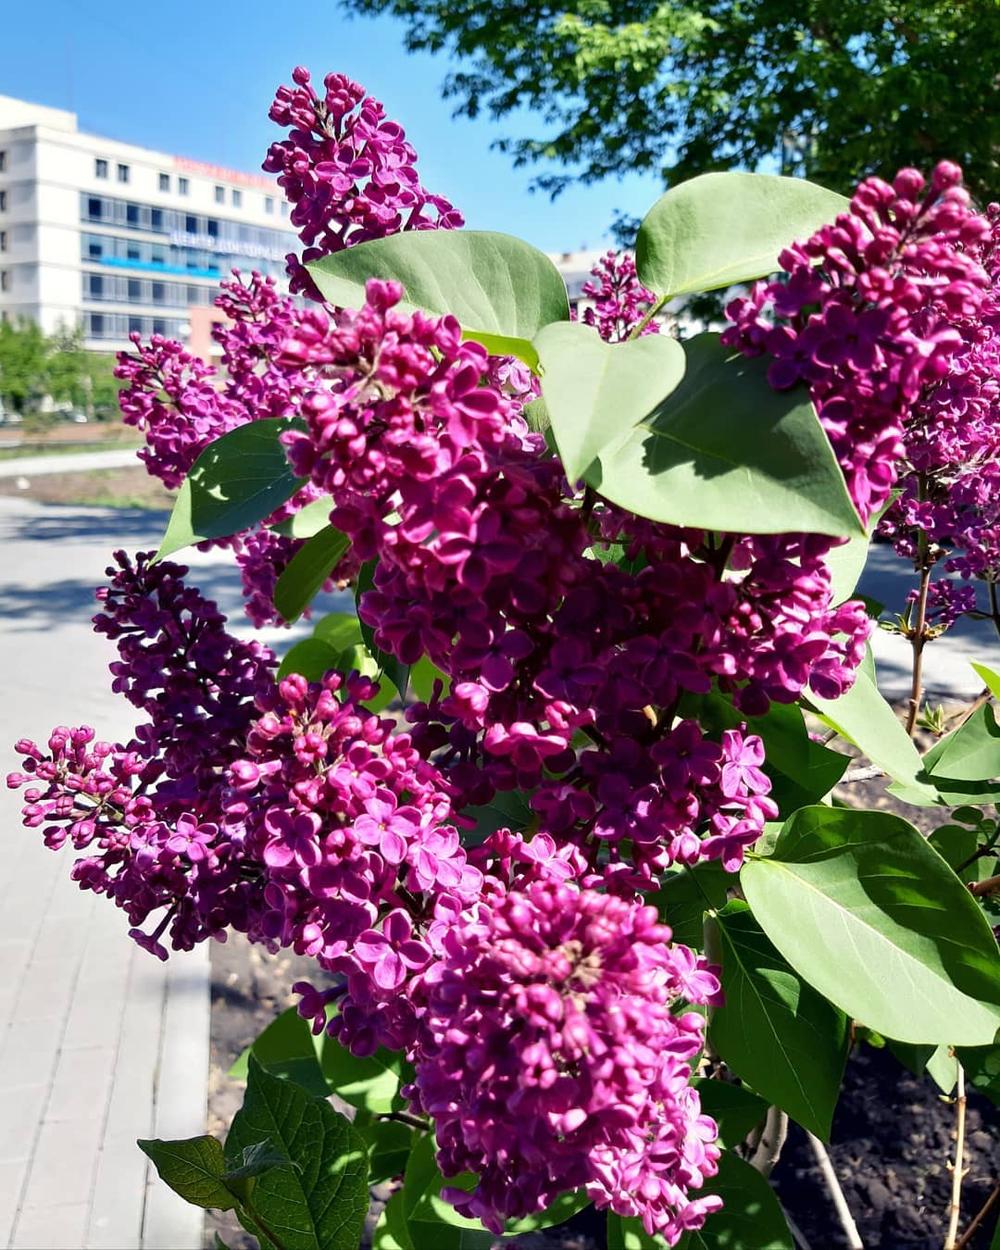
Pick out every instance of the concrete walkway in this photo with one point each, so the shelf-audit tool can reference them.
(70, 462)
(100, 1043)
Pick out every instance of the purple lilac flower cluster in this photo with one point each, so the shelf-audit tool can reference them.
(864, 314)
(347, 171)
(542, 1006)
(620, 301)
(947, 511)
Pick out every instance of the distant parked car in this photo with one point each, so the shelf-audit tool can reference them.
(78, 418)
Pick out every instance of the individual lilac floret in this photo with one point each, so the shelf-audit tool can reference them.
(555, 1054)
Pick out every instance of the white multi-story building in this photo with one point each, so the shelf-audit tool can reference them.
(119, 239)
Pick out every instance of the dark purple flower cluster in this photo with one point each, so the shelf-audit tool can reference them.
(347, 171)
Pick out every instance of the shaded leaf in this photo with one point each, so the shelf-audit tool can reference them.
(288, 1050)
(307, 521)
(369, 1082)
(193, 1169)
(684, 896)
(308, 569)
(774, 1031)
(734, 1108)
(311, 657)
(238, 480)
(727, 452)
(321, 1203)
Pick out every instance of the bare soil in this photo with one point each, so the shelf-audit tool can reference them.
(106, 488)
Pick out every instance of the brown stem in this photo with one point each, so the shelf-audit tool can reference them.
(994, 604)
(990, 886)
(978, 1218)
(918, 640)
(955, 1207)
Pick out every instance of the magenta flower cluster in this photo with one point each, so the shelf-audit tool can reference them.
(347, 170)
(544, 1008)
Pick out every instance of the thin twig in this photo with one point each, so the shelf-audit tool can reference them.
(958, 1171)
(959, 719)
(798, 1236)
(990, 886)
(836, 1193)
(918, 640)
(772, 1139)
(862, 774)
(978, 1218)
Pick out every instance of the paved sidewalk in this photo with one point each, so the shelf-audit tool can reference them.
(100, 1043)
(68, 462)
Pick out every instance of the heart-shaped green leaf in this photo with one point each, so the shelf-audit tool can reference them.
(723, 228)
(307, 570)
(595, 390)
(725, 451)
(501, 289)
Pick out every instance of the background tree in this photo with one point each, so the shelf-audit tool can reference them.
(34, 365)
(23, 360)
(831, 89)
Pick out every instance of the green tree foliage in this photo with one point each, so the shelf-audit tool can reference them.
(34, 365)
(831, 89)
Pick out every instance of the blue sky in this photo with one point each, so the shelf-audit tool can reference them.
(196, 79)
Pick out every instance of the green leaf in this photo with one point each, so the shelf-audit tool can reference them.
(237, 481)
(339, 630)
(311, 657)
(370, 1083)
(321, 1203)
(192, 1168)
(991, 678)
(288, 1050)
(915, 958)
(734, 1108)
(307, 521)
(423, 1202)
(501, 289)
(389, 1146)
(307, 570)
(727, 452)
(255, 1161)
(723, 228)
(775, 1031)
(964, 766)
(982, 1067)
(218, 1243)
(750, 1219)
(684, 896)
(423, 675)
(397, 672)
(595, 390)
(863, 717)
(392, 1231)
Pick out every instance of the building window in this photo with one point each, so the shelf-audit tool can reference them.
(95, 286)
(95, 208)
(220, 195)
(94, 249)
(164, 182)
(132, 215)
(237, 198)
(212, 227)
(3, 160)
(135, 325)
(3, 201)
(97, 325)
(284, 208)
(156, 219)
(100, 168)
(123, 173)
(183, 186)
(191, 224)
(3, 240)
(159, 292)
(4, 279)
(134, 290)
(268, 204)
(132, 252)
